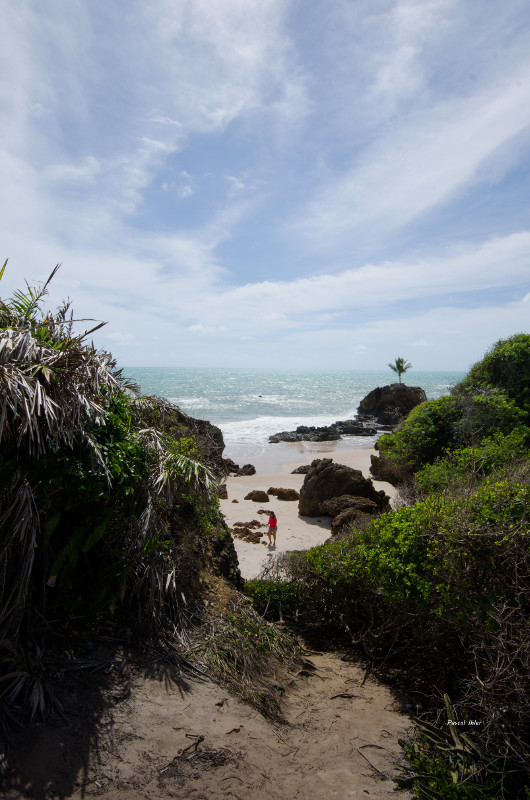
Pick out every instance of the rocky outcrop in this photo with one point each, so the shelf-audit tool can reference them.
(248, 531)
(156, 412)
(385, 470)
(231, 468)
(258, 496)
(347, 519)
(327, 480)
(327, 433)
(305, 433)
(301, 470)
(390, 404)
(336, 505)
(209, 438)
(284, 494)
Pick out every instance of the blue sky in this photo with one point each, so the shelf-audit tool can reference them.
(274, 183)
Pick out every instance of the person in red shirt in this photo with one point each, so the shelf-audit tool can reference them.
(273, 527)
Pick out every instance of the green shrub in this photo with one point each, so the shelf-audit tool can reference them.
(466, 466)
(445, 555)
(505, 366)
(438, 427)
(274, 599)
(248, 654)
(427, 432)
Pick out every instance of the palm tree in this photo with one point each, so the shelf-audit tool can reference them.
(400, 366)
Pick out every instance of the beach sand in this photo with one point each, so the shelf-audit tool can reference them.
(294, 532)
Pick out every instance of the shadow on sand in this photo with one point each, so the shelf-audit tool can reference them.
(51, 757)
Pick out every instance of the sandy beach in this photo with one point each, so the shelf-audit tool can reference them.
(294, 532)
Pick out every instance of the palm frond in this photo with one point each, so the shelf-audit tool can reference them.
(170, 468)
(19, 524)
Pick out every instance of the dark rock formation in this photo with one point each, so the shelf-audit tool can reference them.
(248, 531)
(328, 433)
(355, 427)
(326, 480)
(384, 470)
(347, 518)
(305, 433)
(222, 492)
(347, 510)
(284, 494)
(301, 470)
(169, 419)
(254, 523)
(336, 505)
(225, 556)
(247, 469)
(390, 404)
(258, 496)
(231, 468)
(209, 438)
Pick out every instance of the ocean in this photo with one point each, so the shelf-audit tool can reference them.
(249, 405)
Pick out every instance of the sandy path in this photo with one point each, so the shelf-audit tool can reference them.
(198, 742)
(294, 532)
(340, 741)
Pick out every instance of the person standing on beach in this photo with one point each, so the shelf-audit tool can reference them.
(273, 527)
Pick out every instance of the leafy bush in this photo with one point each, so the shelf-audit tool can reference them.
(274, 599)
(439, 426)
(465, 466)
(444, 555)
(505, 366)
(427, 432)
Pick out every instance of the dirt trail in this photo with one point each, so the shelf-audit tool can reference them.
(200, 743)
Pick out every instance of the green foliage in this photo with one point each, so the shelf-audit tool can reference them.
(445, 773)
(445, 762)
(444, 555)
(438, 426)
(427, 432)
(505, 366)
(274, 599)
(468, 465)
(78, 506)
(93, 506)
(438, 591)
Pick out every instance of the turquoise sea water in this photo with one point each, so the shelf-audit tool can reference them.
(251, 404)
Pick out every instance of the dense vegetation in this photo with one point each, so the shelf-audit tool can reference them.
(436, 594)
(110, 528)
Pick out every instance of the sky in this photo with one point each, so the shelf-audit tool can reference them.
(272, 183)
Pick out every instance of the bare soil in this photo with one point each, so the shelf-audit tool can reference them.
(152, 737)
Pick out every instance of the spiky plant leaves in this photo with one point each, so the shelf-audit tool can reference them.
(81, 482)
(26, 679)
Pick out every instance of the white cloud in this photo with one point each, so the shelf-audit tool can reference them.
(121, 338)
(85, 171)
(496, 263)
(207, 329)
(418, 164)
(185, 191)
